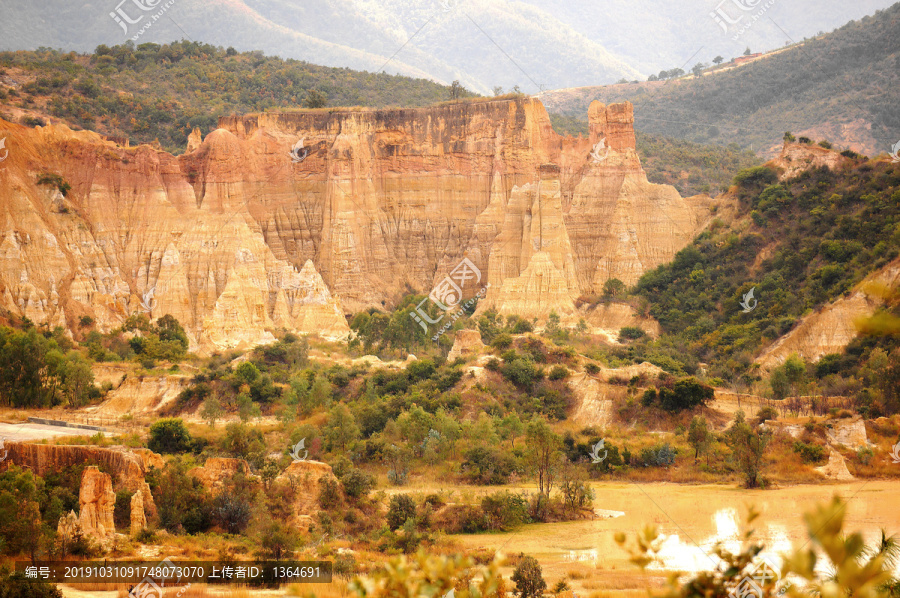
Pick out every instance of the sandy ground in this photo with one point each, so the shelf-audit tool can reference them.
(28, 431)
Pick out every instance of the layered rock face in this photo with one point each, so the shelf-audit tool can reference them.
(97, 501)
(128, 466)
(243, 235)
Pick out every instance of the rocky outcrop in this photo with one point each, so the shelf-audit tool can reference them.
(127, 466)
(832, 328)
(850, 433)
(238, 237)
(798, 157)
(97, 502)
(68, 528)
(138, 519)
(217, 472)
(466, 343)
(836, 468)
(143, 394)
(608, 319)
(305, 478)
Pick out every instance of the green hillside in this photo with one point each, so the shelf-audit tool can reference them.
(843, 86)
(161, 92)
(821, 233)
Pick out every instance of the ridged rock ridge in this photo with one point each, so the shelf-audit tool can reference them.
(240, 237)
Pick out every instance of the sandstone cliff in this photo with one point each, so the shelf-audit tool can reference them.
(127, 466)
(240, 236)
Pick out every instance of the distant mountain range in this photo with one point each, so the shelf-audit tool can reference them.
(843, 86)
(533, 44)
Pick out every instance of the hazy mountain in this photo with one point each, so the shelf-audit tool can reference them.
(483, 43)
(843, 86)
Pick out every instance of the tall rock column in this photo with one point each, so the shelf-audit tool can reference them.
(97, 503)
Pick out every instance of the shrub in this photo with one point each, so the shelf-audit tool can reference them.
(558, 372)
(521, 372)
(400, 508)
(592, 368)
(504, 510)
(169, 436)
(528, 578)
(766, 414)
(357, 483)
(630, 333)
(487, 467)
(19, 586)
(502, 341)
(330, 495)
(231, 513)
(658, 456)
(810, 453)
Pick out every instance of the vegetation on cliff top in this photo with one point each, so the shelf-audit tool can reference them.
(161, 92)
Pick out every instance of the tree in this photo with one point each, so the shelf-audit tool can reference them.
(316, 99)
(718, 60)
(247, 372)
(169, 436)
(456, 90)
(788, 378)
(747, 52)
(247, 409)
(699, 437)
(168, 329)
(400, 508)
(320, 395)
(528, 578)
(341, 428)
(20, 515)
(613, 288)
(789, 137)
(211, 410)
(543, 445)
(510, 428)
(497, 90)
(698, 69)
(748, 446)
